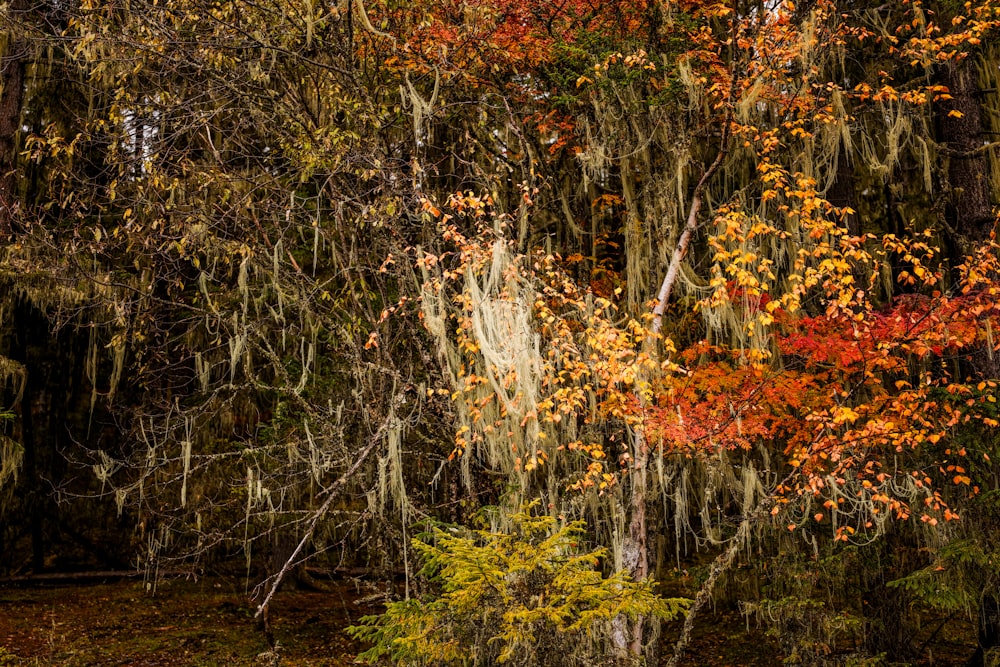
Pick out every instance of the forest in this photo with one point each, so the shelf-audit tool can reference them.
(568, 322)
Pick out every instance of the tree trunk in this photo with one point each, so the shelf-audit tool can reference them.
(12, 67)
(969, 208)
(32, 404)
(969, 211)
(628, 641)
(635, 553)
(959, 126)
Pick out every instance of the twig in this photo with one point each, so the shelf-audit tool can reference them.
(719, 566)
(721, 563)
(331, 495)
(920, 651)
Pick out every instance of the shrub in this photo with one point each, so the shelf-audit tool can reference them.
(528, 597)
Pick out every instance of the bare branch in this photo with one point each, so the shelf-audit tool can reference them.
(689, 229)
(331, 495)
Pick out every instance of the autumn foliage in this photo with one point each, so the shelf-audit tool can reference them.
(710, 284)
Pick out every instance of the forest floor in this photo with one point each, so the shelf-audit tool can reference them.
(210, 622)
(204, 623)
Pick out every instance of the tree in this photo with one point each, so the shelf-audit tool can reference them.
(532, 596)
(715, 273)
(784, 266)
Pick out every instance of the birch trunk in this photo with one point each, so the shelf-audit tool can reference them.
(635, 548)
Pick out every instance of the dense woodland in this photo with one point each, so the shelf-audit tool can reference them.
(571, 315)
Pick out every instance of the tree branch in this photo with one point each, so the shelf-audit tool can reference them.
(689, 229)
(331, 495)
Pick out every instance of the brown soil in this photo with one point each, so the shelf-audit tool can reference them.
(182, 623)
